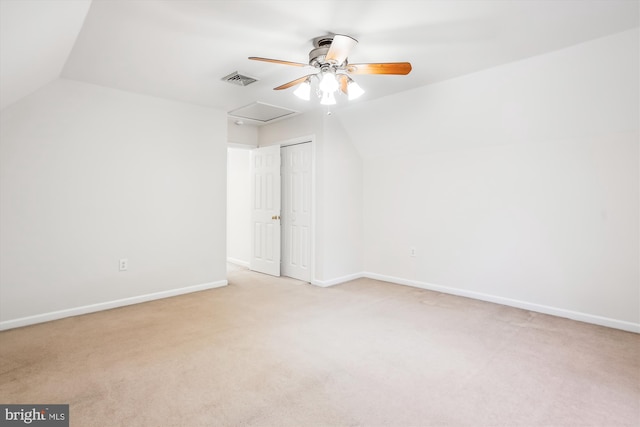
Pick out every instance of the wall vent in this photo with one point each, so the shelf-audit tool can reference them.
(238, 79)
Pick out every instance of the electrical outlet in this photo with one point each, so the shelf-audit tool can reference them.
(412, 251)
(124, 264)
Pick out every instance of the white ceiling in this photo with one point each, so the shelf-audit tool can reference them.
(181, 49)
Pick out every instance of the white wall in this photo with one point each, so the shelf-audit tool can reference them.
(518, 184)
(239, 205)
(244, 134)
(89, 175)
(297, 126)
(338, 193)
(340, 204)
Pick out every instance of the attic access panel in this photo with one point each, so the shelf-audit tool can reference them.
(261, 112)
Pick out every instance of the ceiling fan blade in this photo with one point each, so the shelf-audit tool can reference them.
(399, 68)
(278, 61)
(292, 83)
(340, 48)
(344, 82)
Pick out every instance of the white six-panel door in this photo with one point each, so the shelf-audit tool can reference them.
(296, 211)
(265, 210)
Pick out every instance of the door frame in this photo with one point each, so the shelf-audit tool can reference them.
(311, 139)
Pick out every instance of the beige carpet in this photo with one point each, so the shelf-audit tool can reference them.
(267, 352)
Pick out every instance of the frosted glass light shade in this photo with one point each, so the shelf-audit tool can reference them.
(354, 90)
(328, 98)
(328, 83)
(303, 91)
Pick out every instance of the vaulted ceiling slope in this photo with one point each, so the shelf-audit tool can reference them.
(180, 50)
(36, 38)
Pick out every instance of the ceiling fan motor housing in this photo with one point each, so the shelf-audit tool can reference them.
(317, 56)
(323, 41)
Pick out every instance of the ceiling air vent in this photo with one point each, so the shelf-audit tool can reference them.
(239, 79)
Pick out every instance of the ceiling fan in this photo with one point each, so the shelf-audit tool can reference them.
(333, 70)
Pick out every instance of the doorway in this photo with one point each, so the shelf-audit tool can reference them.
(238, 205)
(282, 210)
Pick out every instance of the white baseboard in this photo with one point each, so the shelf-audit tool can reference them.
(54, 315)
(238, 262)
(554, 311)
(337, 280)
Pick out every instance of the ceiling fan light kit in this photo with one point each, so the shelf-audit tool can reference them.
(304, 90)
(354, 90)
(328, 98)
(328, 83)
(329, 58)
